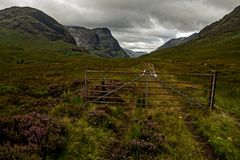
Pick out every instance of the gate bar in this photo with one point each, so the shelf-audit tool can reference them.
(116, 89)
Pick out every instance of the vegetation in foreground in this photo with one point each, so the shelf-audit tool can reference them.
(108, 132)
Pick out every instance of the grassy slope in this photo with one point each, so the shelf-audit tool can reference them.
(221, 47)
(15, 45)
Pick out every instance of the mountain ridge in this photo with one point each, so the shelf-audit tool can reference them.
(98, 40)
(134, 54)
(178, 41)
(215, 41)
(34, 22)
(229, 23)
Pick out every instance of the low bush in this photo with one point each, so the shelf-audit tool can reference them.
(100, 118)
(7, 89)
(31, 134)
(69, 110)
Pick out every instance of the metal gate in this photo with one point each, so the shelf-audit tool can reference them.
(148, 88)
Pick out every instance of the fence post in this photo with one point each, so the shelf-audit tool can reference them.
(146, 90)
(85, 86)
(213, 90)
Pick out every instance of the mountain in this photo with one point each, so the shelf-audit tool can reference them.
(28, 35)
(178, 41)
(228, 24)
(134, 54)
(99, 41)
(220, 40)
(33, 22)
(84, 37)
(21, 26)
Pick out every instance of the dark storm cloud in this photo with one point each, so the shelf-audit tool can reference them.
(137, 24)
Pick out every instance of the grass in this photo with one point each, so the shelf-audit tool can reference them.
(86, 142)
(222, 132)
(228, 97)
(224, 46)
(7, 89)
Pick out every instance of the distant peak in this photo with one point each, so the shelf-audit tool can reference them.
(237, 8)
(21, 8)
(76, 27)
(102, 30)
(236, 11)
(34, 22)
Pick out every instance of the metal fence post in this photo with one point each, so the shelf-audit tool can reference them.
(85, 86)
(213, 90)
(146, 90)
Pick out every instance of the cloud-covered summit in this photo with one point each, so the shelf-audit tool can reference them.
(137, 24)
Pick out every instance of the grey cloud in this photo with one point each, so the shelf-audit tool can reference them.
(137, 24)
(224, 4)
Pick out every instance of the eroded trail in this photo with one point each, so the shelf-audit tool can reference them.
(115, 151)
(207, 150)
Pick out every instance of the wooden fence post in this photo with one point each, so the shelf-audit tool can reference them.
(213, 90)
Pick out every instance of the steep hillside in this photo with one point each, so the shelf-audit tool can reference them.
(222, 46)
(178, 41)
(33, 22)
(218, 40)
(28, 35)
(228, 24)
(84, 37)
(99, 41)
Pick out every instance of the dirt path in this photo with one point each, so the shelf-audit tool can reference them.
(209, 152)
(116, 146)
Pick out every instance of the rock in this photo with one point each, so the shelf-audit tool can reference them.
(98, 41)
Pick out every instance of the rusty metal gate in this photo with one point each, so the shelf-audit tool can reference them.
(148, 88)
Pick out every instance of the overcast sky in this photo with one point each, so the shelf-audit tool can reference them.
(137, 24)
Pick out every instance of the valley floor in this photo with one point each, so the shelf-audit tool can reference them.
(51, 94)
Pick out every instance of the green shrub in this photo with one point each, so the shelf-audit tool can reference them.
(135, 132)
(100, 118)
(77, 100)
(8, 89)
(42, 92)
(66, 95)
(116, 112)
(69, 110)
